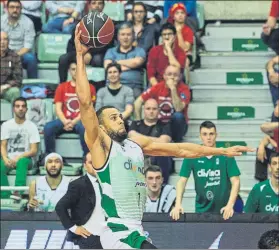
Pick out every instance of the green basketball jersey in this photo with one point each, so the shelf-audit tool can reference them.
(122, 182)
(212, 181)
(262, 199)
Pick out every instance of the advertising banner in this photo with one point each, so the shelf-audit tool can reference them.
(191, 231)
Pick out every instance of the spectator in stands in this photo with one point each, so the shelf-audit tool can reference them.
(115, 94)
(68, 113)
(270, 34)
(264, 197)
(80, 209)
(191, 6)
(216, 178)
(11, 70)
(155, 10)
(273, 79)
(63, 16)
(46, 191)
(94, 57)
(19, 146)
(268, 145)
(156, 130)
(269, 240)
(129, 57)
(161, 197)
(184, 34)
(173, 97)
(169, 53)
(21, 34)
(145, 34)
(32, 9)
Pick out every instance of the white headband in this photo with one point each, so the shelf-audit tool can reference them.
(53, 155)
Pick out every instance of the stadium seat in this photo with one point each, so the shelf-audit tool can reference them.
(11, 205)
(200, 14)
(93, 73)
(32, 171)
(6, 110)
(115, 10)
(1, 9)
(52, 46)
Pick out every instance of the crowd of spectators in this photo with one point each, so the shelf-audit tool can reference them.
(155, 39)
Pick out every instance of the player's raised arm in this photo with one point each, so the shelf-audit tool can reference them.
(186, 150)
(94, 136)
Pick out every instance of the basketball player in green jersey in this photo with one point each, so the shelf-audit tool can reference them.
(119, 163)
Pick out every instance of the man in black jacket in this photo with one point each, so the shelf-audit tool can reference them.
(83, 199)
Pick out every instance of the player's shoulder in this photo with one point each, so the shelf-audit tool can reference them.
(261, 185)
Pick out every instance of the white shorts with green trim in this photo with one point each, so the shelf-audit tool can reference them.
(122, 234)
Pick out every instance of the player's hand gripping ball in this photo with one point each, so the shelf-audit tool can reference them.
(97, 30)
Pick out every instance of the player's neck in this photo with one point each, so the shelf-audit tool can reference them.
(179, 24)
(154, 195)
(275, 184)
(54, 182)
(73, 83)
(125, 49)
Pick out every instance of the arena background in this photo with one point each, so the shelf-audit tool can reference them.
(200, 231)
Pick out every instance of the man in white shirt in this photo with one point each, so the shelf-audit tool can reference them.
(161, 198)
(46, 191)
(83, 199)
(19, 144)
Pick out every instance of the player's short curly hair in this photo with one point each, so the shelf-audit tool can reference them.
(269, 240)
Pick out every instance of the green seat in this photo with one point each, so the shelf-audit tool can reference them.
(38, 81)
(52, 46)
(12, 205)
(6, 110)
(200, 14)
(32, 171)
(94, 73)
(115, 10)
(1, 9)
(53, 66)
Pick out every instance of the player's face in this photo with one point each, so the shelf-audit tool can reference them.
(96, 5)
(73, 70)
(14, 10)
(20, 109)
(179, 16)
(208, 136)
(154, 181)
(139, 13)
(274, 167)
(54, 167)
(125, 37)
(113, 75)
(114, 125)
(151, 110)
(88, 165)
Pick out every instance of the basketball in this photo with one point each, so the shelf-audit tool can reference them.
(97, 30)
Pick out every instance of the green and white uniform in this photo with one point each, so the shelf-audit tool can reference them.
(123, 191)
(212, 181)
(262, 199)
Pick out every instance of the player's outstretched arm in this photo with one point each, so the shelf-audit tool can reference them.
(186, 150)
(94, 136)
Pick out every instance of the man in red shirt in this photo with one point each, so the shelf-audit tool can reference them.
(169, 53)
(270, 35)
(173, 97)
(68, 113)
(184, 34)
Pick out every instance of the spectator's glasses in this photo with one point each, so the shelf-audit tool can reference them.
(14, 7)
(139, 11)
(167, 34)
(174, 75)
